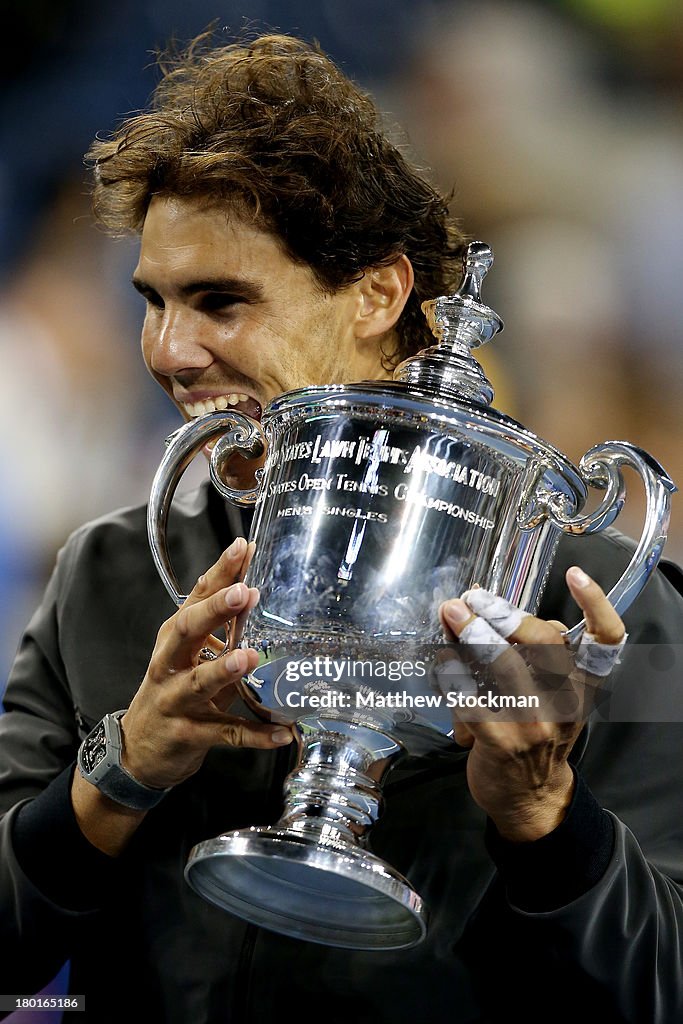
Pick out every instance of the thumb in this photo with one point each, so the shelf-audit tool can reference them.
(462, 736)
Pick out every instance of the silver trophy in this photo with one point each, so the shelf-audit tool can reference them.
(376, 502)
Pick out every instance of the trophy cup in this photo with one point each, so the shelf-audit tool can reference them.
(377, 501)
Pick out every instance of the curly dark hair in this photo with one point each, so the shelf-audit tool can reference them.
(273, 126)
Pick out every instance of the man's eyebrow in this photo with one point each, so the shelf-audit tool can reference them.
(219, 285)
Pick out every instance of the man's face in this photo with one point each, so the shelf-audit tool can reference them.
(232, 321)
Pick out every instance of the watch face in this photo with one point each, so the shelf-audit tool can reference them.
(94, 749)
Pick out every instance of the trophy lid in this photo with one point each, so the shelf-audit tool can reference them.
(460, 323)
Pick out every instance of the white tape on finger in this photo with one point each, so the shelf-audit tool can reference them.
(597, 658)
(503, 616)
(482, 638)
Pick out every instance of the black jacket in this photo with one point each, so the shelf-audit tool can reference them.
(588, 920)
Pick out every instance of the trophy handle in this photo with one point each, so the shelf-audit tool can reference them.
(239, 434)
(601, 467)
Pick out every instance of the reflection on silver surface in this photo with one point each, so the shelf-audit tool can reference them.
(378, 501)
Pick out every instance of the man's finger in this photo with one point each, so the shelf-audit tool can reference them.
(208, 680)
(509, 621)
(505, 618)
(233, 731)
(455, 615)
(538, 670)
(229, 568)
(541, 641)
(483, 646)
(238, 732)
(192, 624)
(602, 621)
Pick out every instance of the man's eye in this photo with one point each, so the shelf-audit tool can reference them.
(215, 301)
(152, 299)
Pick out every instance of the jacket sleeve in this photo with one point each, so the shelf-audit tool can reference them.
(617, 939)
(83, 655)
(39, 919)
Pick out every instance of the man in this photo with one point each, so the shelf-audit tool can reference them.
(285, 241)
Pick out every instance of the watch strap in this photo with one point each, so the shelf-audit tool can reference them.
(108, 774)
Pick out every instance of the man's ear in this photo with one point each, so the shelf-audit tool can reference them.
(383, 292)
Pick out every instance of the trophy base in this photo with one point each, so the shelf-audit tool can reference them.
(321, 889)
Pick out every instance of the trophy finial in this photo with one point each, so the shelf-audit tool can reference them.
(477, 262)
(460, 323)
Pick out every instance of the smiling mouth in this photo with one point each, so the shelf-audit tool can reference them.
(234, 400)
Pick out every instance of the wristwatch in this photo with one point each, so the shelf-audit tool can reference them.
(99, 762)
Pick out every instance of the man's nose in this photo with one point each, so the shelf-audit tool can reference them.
(174, 343)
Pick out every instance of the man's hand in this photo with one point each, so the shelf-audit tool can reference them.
(179, 713)
(517, 771)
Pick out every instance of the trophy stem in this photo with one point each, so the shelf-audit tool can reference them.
(309, 875)
(329, 791)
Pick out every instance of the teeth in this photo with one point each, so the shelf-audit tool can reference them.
(213, 404)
